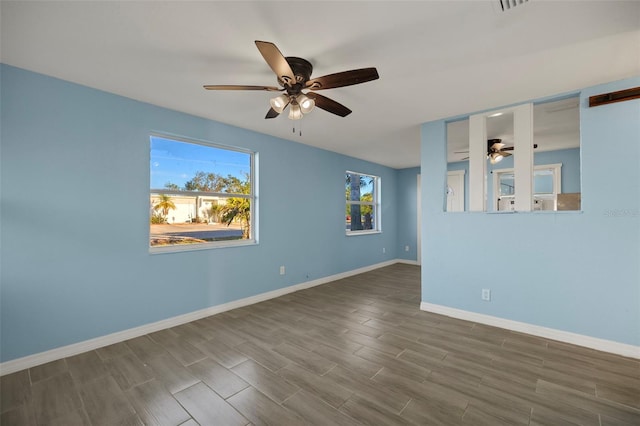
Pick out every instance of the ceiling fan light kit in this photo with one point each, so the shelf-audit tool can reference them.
(294, 75)
(295, 113)
(306, 103)
(496, 157)
(279, 103)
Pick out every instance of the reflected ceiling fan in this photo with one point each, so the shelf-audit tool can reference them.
(294, 76)
(496, 150)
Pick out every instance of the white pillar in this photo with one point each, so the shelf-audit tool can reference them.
(477, 163)
(523, 157)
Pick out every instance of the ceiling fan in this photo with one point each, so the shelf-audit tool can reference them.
(496, 150)
(294, 76)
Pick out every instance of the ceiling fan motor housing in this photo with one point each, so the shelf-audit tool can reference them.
(302, 70)
(491, 143)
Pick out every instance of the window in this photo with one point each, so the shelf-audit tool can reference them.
(363, 203)
(201, 195)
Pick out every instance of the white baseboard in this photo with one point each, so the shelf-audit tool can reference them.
(536, 330)
(29, 361)
(408, 262)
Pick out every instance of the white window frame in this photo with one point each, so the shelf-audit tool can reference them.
(253, 197)
(375, 204)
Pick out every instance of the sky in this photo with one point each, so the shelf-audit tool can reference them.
(174, 161)
(177, 162)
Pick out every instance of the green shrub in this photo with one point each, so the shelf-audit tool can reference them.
(157, 218)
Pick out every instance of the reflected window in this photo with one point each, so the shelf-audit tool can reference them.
(506, 182)
(546, 182)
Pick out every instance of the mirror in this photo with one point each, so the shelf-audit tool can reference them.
(556, 158)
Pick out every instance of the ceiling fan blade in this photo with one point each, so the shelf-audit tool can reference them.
(511, 148)
(272, 113)
(341, 79)
(329, 105)
(276, 60)
(505, 154)
(240, 87)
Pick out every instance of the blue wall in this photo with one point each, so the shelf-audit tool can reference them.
(571, 271)
(407, 190)
(74, 217)
(569, 158)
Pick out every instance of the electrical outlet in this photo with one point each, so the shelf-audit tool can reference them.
(384, 250)
(486, 294)
(282, 271)
(406, 248)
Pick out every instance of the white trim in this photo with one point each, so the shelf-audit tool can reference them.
(536, 330)
(179, 248)
(376, 205)
(30, 361)
(408, 262)
(363, 232)
(459, 207)
(419, 220)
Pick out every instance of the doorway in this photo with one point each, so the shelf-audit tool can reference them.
(455, 191)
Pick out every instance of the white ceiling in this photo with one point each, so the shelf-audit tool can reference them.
(436, 59)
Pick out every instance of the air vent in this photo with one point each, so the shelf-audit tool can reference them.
(510, 4)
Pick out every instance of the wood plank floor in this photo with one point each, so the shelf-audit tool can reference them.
(355, 351)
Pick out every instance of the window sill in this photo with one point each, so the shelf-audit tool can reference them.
(542, 212)
(520, 212)
(356, 233)
(197, 247)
